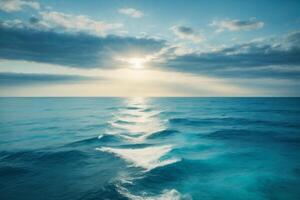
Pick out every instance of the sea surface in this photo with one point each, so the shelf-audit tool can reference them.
(149, 148)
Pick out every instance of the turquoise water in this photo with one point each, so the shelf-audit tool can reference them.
(149, 148)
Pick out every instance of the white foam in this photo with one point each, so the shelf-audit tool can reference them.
(165, 195)
(100, 136)
(138, 131)
(147, 158)
(139, 138)
(150, 125)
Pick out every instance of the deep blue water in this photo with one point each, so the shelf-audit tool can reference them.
(151, 148)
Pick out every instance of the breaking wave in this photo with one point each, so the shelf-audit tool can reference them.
(147, 158)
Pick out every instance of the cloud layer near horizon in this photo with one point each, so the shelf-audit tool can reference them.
(278, 57)
(79, 50)
(21, 79)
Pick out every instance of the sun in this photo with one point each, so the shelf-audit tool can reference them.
(137, 63)
(134, 62)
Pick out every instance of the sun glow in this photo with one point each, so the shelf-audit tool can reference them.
(137, 63)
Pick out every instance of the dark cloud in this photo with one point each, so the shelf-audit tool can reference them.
(34, 20)
(71, 49)
(21, 79)
(185, 29)
(187, 33)
(237, 25)
(245, 60)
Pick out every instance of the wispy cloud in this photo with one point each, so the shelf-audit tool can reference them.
(78, 23)
(187, 33)
(131, 12)
(237, 25)
(17, 5)
(62, 22)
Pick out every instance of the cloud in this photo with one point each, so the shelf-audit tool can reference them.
(237, 25)
(21, 79)
(77, 23)
(79, 50)
(187, 33)
(278, 57)
(62, 22)
(131, 12)
(17, 5)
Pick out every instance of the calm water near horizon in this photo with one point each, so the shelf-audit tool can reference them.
(149, 148)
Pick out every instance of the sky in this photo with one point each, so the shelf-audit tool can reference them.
(149, 48)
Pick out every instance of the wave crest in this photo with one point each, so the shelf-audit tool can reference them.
(147, 158)
(165, 195)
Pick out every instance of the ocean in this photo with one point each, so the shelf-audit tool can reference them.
(149, 148)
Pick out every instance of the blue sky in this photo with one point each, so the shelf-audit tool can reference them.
(149, 48)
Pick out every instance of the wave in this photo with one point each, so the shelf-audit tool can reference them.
(13, 171)
(163, 133)
(230, 134)
(147, 109)
(128, 114)
(182, 170)
(228, 121)
(165, 195)
(50, 128)
(114, 125)
(141, 137)
(135, 132)
(43, 156)
(147, 158)
(242, 135)
(120, 121)
(187, 121)
(108, 138)
(134, 145)
(133, 138)
(170, 113)
(84, 142)
(113, 108)
(290, 141)
(92, 127)
(94, 140)
(132, 108)
(253, 136)
(107, 192)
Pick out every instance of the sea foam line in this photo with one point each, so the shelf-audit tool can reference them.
(147, 158)
(165, 195)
